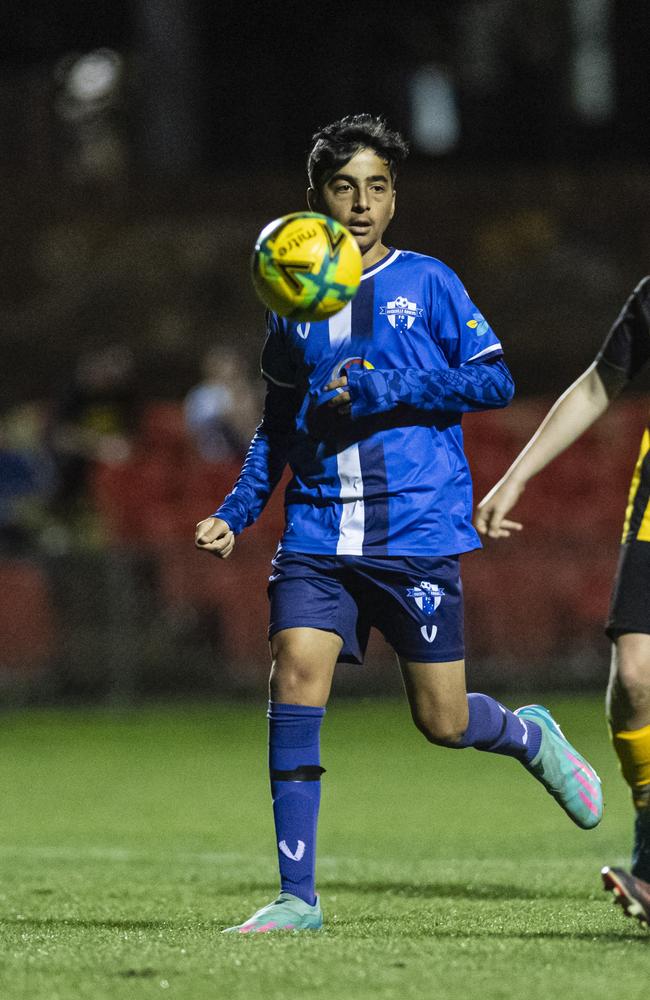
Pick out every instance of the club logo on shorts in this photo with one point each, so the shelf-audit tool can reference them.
(400, 312)
(427, 596)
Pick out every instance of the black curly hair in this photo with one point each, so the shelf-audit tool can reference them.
(335, 144)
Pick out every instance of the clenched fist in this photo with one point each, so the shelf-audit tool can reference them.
(214, 535)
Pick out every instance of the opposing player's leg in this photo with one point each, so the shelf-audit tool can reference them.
(628, 626)
(628, 711)
(301, 676)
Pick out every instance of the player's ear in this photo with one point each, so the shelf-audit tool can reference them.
(392, 207)
(312, 199)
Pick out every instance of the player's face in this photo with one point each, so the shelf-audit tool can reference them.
(362, 197)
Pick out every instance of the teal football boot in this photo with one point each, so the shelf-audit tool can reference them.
(563, 771)
(286, 913)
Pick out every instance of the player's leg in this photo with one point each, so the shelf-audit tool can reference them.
(446, 715)
(303, 662)
(628, 711)
(313, 623)
(301, 676)
(418, 604)
(529, 734)
(628, 693)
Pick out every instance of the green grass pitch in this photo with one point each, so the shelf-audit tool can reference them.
(129, 840)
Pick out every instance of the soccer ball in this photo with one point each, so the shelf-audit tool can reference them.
(306, 266)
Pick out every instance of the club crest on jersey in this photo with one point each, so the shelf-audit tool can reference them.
(427, 596)
(401, 313)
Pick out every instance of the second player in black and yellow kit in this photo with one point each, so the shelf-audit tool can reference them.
(625, 352)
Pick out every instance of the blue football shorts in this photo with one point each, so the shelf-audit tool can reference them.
(416, 603)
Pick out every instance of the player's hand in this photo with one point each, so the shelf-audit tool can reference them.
(490, 518)
(340, 402)
(215, 536)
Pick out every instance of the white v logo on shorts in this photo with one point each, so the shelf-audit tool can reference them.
(429, 633)
(300, 850)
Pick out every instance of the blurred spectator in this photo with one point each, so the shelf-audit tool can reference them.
(222, 410)
(25, 480)
(94, 419)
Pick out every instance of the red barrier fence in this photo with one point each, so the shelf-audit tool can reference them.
(534, 603)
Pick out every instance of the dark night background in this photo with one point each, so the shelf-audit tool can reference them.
(145, 143)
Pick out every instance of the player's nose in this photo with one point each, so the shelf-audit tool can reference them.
(362, 201)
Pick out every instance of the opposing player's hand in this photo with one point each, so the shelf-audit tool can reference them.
(340, 402)
(490, 518)
(215, 536)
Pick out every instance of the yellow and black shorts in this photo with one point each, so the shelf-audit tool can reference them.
(630, 605)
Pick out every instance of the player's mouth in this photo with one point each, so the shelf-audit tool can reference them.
(359, 228)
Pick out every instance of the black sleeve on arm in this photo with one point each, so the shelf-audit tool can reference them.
(627, 345)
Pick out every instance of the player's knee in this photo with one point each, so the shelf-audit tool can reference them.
(441, 730)
(634, 689)
(294, 680)
(632, 679)
(290, 683)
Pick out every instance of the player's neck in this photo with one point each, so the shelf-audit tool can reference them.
(373, 255)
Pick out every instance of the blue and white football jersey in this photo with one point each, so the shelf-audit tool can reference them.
(394, 483)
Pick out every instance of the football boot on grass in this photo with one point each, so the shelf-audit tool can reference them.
(563, 771)
(633, 894)
(286, 913)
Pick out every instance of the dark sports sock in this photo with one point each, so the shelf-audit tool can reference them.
(495, 729)
(294, 763)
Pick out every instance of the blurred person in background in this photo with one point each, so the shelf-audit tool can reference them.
(26, 480)
(377, 512)
(221, 411)
(623, 355)
(94, 419)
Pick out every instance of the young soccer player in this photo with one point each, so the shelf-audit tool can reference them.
(366, 409)
(625, 352)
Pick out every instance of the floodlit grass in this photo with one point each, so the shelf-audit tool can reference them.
(128, 841)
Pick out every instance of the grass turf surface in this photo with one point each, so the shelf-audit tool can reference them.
(128, 841)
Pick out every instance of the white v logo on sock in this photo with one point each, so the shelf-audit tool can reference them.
(300, 850)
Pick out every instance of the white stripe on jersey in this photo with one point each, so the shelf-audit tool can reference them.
(348, 462)
(486, 350)
(340, 325)
(352, 524)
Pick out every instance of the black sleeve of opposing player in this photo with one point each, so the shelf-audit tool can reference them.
(627, 345)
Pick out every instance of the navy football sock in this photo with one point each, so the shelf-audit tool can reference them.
(294, 763)
(495, 729)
